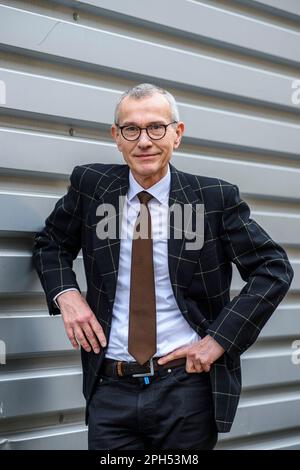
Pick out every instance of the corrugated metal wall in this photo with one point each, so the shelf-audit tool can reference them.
(231, 65)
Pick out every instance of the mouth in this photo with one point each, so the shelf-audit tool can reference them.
(147, 155)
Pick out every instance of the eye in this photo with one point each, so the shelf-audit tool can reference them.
(131, 129)
(155, 127)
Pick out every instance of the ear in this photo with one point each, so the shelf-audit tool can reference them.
(179, 133)
(116, 136)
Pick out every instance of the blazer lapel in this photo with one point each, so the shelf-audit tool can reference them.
(106, 251)
(182, 254)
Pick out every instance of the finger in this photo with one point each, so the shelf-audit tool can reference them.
(198, 366)
(96, 327)
(71, 336)
(82, 339)
(190, 368)
(206, 367)
(89, 334)
(193, 366)
(180, 352)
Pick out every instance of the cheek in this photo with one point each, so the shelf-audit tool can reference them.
(167, 149)
(119, 144)
(125, 149)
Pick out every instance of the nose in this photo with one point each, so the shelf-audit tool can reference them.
(144, 139)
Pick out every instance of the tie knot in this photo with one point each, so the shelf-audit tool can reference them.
(144, 197)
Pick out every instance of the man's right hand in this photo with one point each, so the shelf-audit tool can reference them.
(81, 324)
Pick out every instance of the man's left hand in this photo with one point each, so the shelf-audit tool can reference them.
(199, 356)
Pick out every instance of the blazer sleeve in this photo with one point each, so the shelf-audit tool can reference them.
(265, 268)
(58, 244)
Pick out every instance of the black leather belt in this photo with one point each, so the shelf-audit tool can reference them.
(113, 368)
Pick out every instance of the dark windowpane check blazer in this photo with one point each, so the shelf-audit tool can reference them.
(200, 278)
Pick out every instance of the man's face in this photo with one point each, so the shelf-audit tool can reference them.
(148, 159)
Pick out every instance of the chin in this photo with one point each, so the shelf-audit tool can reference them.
(147, 167)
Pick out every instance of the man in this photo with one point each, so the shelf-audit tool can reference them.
(154, 296)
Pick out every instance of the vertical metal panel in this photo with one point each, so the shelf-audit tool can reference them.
(234, 72)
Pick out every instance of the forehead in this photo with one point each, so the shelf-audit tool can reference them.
(148, 109)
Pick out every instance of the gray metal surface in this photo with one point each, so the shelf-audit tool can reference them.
(231, 66)
(288, 7)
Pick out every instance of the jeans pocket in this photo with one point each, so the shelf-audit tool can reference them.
(107, 379)
(181, 376)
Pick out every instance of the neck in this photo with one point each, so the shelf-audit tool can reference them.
(149, 180)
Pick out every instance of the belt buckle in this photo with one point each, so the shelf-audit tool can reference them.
(148, 374)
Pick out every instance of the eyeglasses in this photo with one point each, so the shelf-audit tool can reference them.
(154, 131)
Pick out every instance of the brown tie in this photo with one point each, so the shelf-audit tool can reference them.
(142, 306)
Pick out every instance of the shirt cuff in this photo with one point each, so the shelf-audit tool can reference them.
(62, 292)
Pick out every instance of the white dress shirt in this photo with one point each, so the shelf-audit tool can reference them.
(173, 331)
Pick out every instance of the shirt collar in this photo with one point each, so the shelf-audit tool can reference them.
(159, 190)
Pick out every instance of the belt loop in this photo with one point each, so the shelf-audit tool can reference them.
(119, 368)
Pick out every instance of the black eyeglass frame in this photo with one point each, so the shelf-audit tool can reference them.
(146, 129)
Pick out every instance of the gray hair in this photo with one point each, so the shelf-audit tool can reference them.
(144, 90)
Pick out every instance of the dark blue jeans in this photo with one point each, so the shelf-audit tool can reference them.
(175, 411)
